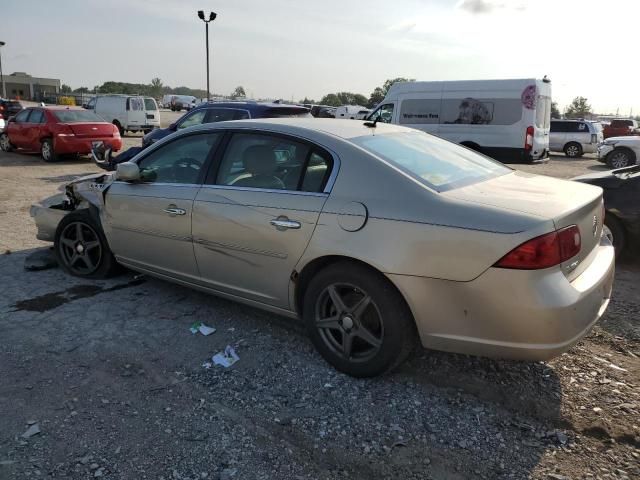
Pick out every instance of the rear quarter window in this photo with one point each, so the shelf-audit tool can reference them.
(437, 163)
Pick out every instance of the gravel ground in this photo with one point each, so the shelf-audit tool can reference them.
(111, 377)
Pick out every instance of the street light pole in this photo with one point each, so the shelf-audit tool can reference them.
(212, 17)
(2, 44)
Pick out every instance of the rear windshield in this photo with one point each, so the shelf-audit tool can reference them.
(74, 116)
(286, 112)
(439, 164)
(150, 104)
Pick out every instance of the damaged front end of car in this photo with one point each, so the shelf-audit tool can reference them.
(82, 193)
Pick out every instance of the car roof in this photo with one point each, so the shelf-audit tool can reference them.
(251, 106)
(58, 107)
(345, 129)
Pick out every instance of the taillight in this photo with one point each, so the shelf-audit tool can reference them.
(528, 139)
(594, 138)
(64, 131)
(544, 251)
(116, 132)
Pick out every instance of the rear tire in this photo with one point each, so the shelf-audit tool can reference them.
(614, 231)
(357, 320)
(47, 151)
(5, 144)
(81, 247)
(573, 150)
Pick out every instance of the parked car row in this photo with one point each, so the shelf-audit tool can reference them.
(55, 131)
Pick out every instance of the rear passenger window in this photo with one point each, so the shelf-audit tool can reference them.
(221, 115)
(273, 163)
(36, 116)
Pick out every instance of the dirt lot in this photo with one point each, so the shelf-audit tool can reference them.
(113, 379)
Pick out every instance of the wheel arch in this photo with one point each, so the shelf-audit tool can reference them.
(302, 279)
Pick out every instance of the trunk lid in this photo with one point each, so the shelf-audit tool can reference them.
(87, 130)
(565, 202)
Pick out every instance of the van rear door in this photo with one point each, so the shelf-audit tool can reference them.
(542, 127)
(135, 113)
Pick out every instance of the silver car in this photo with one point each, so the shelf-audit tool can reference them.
(575, 137)
(376, 235)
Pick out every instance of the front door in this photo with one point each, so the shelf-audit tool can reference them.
(255, 216)
(17, 129)
(149, 223)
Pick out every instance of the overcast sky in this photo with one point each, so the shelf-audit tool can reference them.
(296, 48)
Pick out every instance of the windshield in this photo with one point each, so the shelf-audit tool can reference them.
(439, 164)
(150, 104)
(75, 116)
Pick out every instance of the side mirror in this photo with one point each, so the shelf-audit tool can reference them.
(173, 127)
(128, 172)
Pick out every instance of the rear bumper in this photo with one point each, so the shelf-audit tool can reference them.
(516, 155)
(523, 315)
(63, 145)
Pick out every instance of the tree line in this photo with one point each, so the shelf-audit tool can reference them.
(154, 89)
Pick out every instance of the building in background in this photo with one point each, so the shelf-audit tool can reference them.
(22, 86)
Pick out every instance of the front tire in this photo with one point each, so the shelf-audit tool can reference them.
(357, 320)
(81, 247)
(620, 158)
(5, 143)
(573, 150)
(614, 231)
(47, 151)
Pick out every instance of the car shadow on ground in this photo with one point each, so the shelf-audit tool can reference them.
(30, 159)
(447, 406)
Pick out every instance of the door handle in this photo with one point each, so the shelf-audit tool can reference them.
(284, 223)
(172, 210)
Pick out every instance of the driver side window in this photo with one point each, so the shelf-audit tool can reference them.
(22, 116)
(180, 161)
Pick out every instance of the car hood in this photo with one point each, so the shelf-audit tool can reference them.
(634, 139)
(537, 195)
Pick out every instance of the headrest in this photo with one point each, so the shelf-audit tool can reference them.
(260, 160)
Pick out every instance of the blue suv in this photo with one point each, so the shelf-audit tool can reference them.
(211, 112)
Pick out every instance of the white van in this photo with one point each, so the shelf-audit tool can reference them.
(127, 112)
(505, 119)
(353, 112)
(166, 100)
(179, 102)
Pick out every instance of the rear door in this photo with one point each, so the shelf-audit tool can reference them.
(136, 116)
(149, 223)
(255, 215)
(152, 114)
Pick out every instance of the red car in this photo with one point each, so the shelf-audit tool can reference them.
(55, 131)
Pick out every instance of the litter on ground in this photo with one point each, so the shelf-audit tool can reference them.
(202, 328)
(226, 358)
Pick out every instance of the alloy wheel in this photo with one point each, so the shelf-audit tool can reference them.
(80, 248)
(619, 160)
(46, 150)
(5, 145)
(349, 322)
(572, 151)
